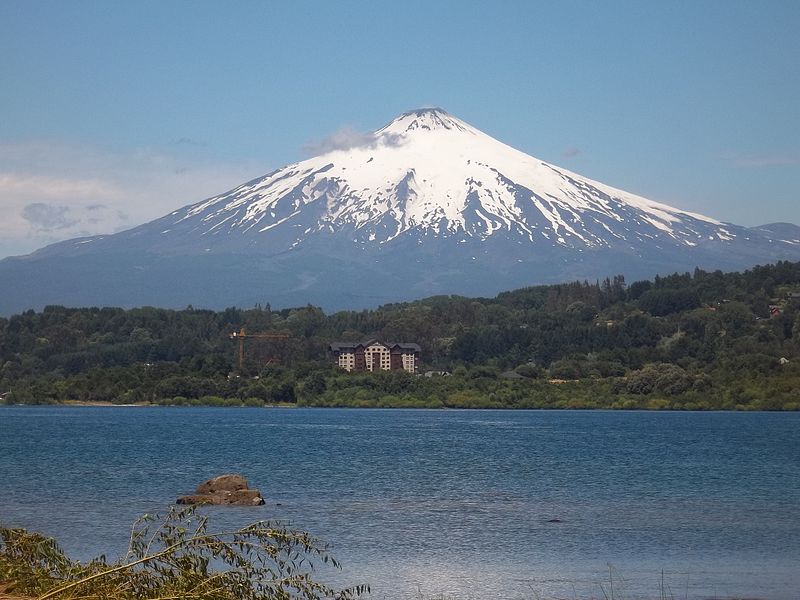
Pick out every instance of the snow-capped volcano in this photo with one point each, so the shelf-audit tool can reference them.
(426, 205)
(430, 173)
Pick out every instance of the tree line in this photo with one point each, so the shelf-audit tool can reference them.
(701, 340)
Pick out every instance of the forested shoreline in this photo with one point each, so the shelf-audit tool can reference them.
(691, 341)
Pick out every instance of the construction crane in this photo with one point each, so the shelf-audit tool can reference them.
(242, 334)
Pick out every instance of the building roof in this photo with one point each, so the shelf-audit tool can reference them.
(404, 346)
(350, 346)
(339, 346)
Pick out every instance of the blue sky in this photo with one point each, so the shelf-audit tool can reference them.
(114, 113)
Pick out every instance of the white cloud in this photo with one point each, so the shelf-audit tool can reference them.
(52, 191)
(346, 138)
(53, 187)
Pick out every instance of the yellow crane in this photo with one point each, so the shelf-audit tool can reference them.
(242, 334)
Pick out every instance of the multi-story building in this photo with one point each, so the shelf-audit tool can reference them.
(374, 355)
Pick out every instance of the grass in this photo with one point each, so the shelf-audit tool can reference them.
(172, 557)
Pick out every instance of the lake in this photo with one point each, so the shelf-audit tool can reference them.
(421, 503)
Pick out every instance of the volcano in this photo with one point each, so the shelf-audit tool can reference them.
(426, 205)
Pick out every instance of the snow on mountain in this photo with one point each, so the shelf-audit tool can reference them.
(430, 173)
(426, 205)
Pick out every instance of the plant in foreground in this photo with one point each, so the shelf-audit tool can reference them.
(175, 557)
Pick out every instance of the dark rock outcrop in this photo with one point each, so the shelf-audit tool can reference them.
(224, 489)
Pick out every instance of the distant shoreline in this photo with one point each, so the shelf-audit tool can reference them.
(98, 404)
(95, 403)
(102, 404)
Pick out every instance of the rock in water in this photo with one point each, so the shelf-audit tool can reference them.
(223, 483)
(246, 498)
(224, 489)
(195, 499)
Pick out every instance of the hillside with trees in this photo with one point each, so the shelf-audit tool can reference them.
(696, 341)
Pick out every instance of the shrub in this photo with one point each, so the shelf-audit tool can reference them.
(176, 557)
(666, 378)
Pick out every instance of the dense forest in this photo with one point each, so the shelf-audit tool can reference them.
(694, 341)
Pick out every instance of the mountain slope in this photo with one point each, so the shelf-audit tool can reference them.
(426, 205)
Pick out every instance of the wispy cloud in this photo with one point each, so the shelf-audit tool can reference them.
(48, 217)
(52, 191)
(53, 187)
(187, 141)
(571, 152)
(759, 162)
(347, 138)
(344, 139)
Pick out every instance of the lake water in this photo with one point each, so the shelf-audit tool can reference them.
(457, 503)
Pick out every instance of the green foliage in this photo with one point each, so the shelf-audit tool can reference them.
(177, 557)
(708, 335)
(666, 379)
(661, 302)
(529, 370)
